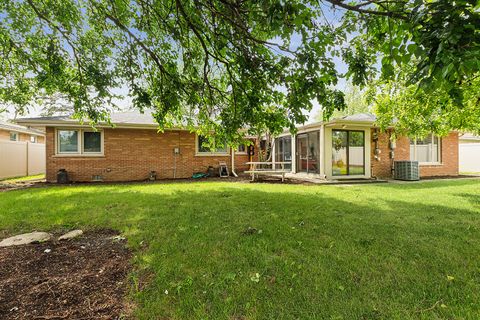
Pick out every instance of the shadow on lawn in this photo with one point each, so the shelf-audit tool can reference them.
(319, 251)
(102, 204)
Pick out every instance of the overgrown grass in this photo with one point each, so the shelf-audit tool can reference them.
(387, 251)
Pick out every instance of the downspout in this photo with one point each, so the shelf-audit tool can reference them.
(233, 164)
(273, 153)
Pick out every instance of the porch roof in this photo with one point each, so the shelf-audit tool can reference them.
(362, 119)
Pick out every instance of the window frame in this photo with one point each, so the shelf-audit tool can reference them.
(17, 136)
(80, 142)
(209, 153)
(439, 151)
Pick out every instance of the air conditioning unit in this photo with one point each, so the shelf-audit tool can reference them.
(406, 170)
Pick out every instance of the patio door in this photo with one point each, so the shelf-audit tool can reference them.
(348, 152)
(308, 155)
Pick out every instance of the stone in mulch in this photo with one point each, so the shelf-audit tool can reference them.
(26, 238)
(70, 235)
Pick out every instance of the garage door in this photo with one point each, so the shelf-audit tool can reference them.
(469, 156)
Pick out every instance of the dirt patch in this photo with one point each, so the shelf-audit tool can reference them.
(83, 278)
(16, 185)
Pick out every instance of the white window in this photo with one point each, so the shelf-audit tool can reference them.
(33, 139)
(202, 147)
(13, 136)
(78, 141)
(426, 150)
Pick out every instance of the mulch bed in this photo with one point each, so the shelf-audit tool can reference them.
(83, 278)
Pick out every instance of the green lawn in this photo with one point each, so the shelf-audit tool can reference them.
(385, 251)
(24, 178)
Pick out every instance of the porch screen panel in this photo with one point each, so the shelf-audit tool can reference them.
(339, 152)
(283, 151)
(313, 152)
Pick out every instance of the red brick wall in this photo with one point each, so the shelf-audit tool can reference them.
(130, 154)
(449, 165)
(449, 156)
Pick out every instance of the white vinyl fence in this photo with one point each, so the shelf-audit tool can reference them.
(20, 158)
(469, 157)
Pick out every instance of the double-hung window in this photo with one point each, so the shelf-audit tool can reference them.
(427, 150)
(79, 142)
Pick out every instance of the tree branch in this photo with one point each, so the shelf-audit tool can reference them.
(137, 40)
(359, 8)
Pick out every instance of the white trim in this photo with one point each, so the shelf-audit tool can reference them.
(80, 144)
(426, 164)
(74, 124)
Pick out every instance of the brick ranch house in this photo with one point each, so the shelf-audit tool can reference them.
(345, 148)
(128, 152)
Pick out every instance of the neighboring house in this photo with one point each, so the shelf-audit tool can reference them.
(352, 147)
(469, 152)
(349, 147)
(14, 132)
(130, 151)
(22, 151)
